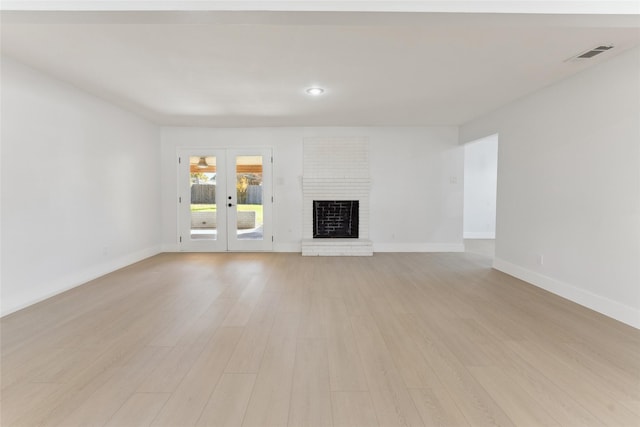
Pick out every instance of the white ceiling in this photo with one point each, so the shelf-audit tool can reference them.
(236, 69)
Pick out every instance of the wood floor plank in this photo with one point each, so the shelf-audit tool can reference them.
(313, 323)
(241, 311)
(353, 291)
(632, 405)
(622, 355)
(190, 398)
(168, 374)
(406, 355)
(55, 365)
(92, 374)
(625, 385)
(353, 409)
(139, 410)
(98, 334)
(562, 406)
(462, 336)
(437, 407)
(597, 399)
(521, 407)
(248, 354)
(391, 399)
(183, 322)
(21, 400)
(86, 306)
(276, 339)
(310, 394)
(102, 404)
(270, 400)
(473, 400)
(228, 403)
(345, 367)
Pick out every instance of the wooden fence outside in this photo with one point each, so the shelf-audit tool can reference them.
(205, 194)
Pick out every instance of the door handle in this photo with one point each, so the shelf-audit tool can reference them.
(230, 204)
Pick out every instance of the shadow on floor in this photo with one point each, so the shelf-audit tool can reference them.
(486, 247)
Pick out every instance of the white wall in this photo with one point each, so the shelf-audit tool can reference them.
(480, 181)
(80, 189)
(415, 206)
(569, 187)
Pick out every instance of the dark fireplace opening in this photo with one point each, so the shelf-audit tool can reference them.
(335, 219)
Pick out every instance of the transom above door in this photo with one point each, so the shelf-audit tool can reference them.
(225, 200)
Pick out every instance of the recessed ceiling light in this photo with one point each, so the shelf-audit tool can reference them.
(315, 91)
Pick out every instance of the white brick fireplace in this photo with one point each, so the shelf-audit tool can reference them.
(336, 169)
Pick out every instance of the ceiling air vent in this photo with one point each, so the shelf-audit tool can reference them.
(591, 52)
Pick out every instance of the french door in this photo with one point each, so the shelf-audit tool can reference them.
(224, 200)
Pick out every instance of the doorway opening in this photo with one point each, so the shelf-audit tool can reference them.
(480, 195)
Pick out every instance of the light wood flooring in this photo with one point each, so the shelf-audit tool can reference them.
(280, 339)
(486, 247)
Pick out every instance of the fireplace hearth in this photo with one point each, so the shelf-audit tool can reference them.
(335, 219)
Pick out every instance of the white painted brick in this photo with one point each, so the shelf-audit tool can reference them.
(335, 169)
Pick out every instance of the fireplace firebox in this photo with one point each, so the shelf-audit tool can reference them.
(335, 219)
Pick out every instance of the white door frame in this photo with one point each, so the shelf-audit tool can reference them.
(226, 237)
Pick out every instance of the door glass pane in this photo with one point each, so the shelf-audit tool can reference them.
(249, 225)
(202, 171)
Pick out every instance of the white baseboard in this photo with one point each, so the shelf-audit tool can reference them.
(418, 247)
(602, 305)
(277, 247)
(479, 235)
(387, 247)
(377, 247)
(83, 276)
